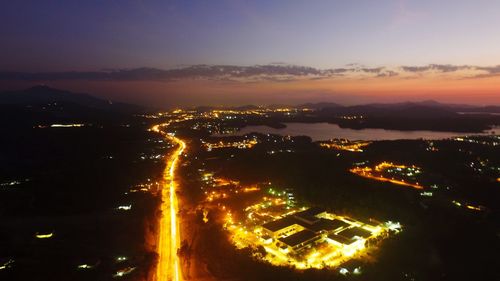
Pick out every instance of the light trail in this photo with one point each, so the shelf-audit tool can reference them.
(168, 267)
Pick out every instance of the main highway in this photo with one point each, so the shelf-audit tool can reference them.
(168, 267)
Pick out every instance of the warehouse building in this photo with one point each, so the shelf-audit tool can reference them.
(296, 231)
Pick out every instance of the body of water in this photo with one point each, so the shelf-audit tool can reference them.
(326, 131)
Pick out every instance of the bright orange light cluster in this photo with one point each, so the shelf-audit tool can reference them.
(245, 144)
(224, 182)
(386, 165)
(324, 252)
(250, 189)
(168, 267)
(347, 146)
(369, 173)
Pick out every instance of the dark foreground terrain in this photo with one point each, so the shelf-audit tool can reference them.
(77, 203)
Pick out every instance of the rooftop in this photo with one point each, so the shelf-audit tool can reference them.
(307, 220)
(355, 231)
(340, 239)
(311, 212)
(327, 225)
(280, 223)
(298, 238)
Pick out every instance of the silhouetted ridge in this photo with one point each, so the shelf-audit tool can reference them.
(42, 94)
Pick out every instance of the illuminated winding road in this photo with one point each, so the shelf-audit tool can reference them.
(168, 267)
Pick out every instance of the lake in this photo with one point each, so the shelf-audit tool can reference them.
(326, 131)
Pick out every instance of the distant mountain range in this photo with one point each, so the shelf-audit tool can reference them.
(45, 105)
(43, 95)
(427, 108)
(42, 105)
(39, 95)
(428, 105)
(425, 115)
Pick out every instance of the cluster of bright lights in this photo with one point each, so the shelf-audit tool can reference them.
(44, 235)
(121, 258)
(221, 188)
(220, 113)
(353, 146)
(168, 266)
(244, 144)
(394, 226)
(123, 272)
(468, 206)
(10, 183)
(378, 173)
(7, 264)
(66, 125)
(320, 252)
(325, 252)
(85, 266)
(124, 207)
(352, 117)
(489, 140)
(145, 187)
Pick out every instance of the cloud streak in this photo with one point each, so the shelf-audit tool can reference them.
(271, 72)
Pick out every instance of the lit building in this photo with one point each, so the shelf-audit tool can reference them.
(296, 231)
(298, 241)
(348, 236)
(282, 227)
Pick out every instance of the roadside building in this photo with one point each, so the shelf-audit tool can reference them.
(281, 227)
(353, 237)
(296, 231)
(299, 240)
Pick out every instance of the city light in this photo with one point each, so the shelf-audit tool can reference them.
(124, 207)
(468, 206)
(302, 237)
(168, 267)
(124, 271)
(66, 125)
(382, 171)
(347, 145)
(44, 235)
(120, 259)
(244, 144)
(7, 264)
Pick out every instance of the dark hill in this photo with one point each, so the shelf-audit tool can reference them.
(40, 95)
(42, 105)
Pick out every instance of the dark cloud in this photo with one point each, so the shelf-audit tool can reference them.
(488, 71)
(335, 71)
(387, 73)
(491, 69)
(355, 64)
(197, 71)
(448, 67)
(271, 72)
(436, 67)
(371, 70)
(415, 68)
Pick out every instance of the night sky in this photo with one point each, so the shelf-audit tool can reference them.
(384, 50)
